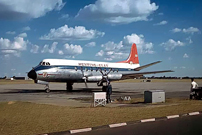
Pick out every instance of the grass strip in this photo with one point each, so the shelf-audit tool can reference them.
(23, 118)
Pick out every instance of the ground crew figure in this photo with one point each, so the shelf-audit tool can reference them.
(109, 92)
(194, 85)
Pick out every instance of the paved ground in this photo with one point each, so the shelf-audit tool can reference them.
(189, 125)
(81, 95)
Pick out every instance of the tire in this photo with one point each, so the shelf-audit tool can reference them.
(47, 90)
(69, 88)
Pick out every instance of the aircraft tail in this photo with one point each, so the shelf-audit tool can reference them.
(133, 57)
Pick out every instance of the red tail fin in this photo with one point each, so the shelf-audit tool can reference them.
(133, 57)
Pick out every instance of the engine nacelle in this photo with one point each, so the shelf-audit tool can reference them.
(41, 82)
(114, 76)
(94, 78)
(98, 78)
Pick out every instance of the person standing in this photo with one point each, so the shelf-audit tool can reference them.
(109, 92)
(194, 85)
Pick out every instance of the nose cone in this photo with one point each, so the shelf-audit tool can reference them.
(32, 74)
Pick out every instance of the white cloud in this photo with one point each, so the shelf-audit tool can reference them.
(185, 56)
(91, 44)
(27, 28)
(118, 11)
(109, 46)
(34, 49)
(100, 53)
(121, 50)
(71, 50)
(161, 23)
(60, 52)
(14, 47)
(23, 35)
(142, 46)
(26, 9)
(191, 30)
(46, 48)
(64, 16)
(172, 44)
(175, 30)
(70, 33)
(190, 40)
(10, 32)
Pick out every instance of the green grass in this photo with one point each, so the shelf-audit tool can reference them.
(4, 82)
(158, 80)
(23, 118)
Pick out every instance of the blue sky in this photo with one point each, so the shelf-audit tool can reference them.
(101, 30)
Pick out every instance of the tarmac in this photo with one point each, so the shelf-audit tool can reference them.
(82, 97)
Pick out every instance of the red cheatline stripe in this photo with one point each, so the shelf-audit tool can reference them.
(48, 74)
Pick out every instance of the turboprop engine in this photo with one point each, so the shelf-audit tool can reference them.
(109, 77)
(41, 82)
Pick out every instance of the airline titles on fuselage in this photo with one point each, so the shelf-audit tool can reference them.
(93, 65)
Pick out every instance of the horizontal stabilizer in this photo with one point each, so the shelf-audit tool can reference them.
(139, 74)
(145, 66)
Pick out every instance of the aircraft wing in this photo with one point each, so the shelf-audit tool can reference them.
(145, 66)
(139, 74)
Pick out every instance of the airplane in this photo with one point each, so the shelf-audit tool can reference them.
(77, 71)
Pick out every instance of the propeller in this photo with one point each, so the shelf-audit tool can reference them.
(85, 78)
(104, 75)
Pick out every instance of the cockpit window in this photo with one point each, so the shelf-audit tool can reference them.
(47, 63)
(43, 63)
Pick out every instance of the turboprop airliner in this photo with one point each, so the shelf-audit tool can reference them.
(77, 71)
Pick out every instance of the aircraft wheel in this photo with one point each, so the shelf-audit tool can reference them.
(47, 90)
(69, 88)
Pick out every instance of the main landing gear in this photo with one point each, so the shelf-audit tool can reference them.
(47, 88)
(69, 86)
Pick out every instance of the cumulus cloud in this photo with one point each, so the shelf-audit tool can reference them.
(161, 23)
(71, 50)
(10, 32)
(14, 47)
(27, 9)
(118, 11)
(121, 50)
(91, 44)
(64, 16)
(34, 49)
(51, 49)
(172, 44)
(185, 56)
(189, 40)
(175, 30)
(60, 52)
(100, 53)
(190, 30)
(27, 28)
(23, 35)
(70, 33)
